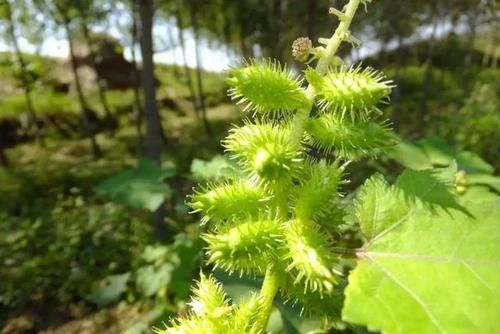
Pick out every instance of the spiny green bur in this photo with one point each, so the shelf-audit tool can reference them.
(271, 223)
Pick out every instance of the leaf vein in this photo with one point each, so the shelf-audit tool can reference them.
(431, 258)
(477, 276)
(413, 295)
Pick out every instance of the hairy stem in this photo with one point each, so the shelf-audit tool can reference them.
(267, 294)
(342, 33)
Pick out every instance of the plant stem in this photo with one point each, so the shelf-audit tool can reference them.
(271, 279)
(324, 63)
(267, 294)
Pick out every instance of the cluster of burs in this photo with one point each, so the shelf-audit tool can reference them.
(280, 215)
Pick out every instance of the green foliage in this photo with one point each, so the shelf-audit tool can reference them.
(77, 243)
(162, 270)
(433, 271)
(480, 112)
(141, 187)
(430, 152)
(61, 244)
(219, 167)
(112, 288)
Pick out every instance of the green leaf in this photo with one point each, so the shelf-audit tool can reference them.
(216, 169)
(152, 254)
(141, 187)
(432, 187)
(188, 251)
(437, 150)
(428, 272)
(150, 280)
(484, 179)
(410, 156)
(472, 163)
(378, 206)
(110, 290)
(434, 151)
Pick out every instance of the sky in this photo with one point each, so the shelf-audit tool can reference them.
(214, 57)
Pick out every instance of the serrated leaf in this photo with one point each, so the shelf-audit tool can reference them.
(378, 206)
(432, 187)
(430, 272)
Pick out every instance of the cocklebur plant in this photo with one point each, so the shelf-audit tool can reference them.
(271, 222)
(281, 219)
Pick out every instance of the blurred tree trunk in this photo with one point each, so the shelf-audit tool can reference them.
(171, 41)
(427, 82)
(275, 23)
(187, 73)
(101, 89)
(199, 78)
(138, 112)
(312, 10)
(88, 117)
(396, 96)
(24, 75)
(4, 161)
(154, 140)
(466, 73)
(246, 50)
(226, 28)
